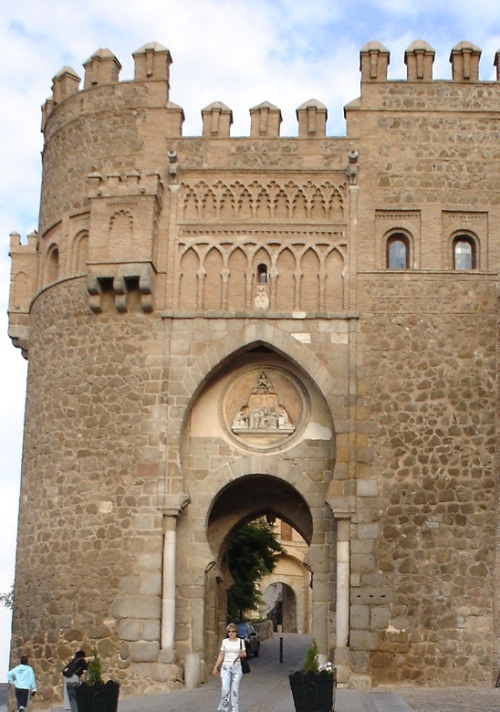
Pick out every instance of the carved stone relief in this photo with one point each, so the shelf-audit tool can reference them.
(264, 407)
(293, 200)
(219, 270)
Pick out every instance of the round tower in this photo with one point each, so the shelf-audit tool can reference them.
(86, 292)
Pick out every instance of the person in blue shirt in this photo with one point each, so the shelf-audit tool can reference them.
(23, 679)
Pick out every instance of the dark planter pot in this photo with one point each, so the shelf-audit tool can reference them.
(313, 691)
(99, 697)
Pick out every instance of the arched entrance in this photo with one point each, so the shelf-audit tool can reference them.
(280, 607)
(259, 441)
(242, 501)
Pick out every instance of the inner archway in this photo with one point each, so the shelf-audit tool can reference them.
(254, 496)
(280, 607)
(287, 591)
(240, 502)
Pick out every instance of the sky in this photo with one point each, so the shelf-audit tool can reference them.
(240, 52)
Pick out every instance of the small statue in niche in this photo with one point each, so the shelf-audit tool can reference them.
(261, 300)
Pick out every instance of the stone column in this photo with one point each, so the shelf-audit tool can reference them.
(342, 600)
(350, 276)
(342, 609)
(175, 503)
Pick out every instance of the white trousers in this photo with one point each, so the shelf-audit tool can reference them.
(74, 678)
(230, 677)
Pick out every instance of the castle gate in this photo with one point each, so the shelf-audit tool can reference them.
(220, 328)
(258, 440)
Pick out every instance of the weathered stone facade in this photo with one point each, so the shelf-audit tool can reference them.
(221, 328)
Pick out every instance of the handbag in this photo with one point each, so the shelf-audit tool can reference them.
(245, 666)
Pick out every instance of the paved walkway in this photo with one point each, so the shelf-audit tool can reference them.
(266, 689)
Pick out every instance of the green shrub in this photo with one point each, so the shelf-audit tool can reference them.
(94, 668)
(311, 659)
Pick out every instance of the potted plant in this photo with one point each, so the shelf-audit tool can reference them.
(313, 687)
(92, 694)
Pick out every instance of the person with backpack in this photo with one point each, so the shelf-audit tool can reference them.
(73, 673)
(23, 679)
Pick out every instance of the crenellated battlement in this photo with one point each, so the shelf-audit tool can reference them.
(122, 184)
(149, 88)
(152, 67)
(128, 184)
(419, 60)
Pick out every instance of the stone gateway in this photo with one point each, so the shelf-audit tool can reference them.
(221, 328)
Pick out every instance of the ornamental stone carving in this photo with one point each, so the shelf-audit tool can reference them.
(264, 407)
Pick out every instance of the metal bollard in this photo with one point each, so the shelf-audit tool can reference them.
(281, 648)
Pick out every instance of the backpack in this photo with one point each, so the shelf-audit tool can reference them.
(70, 668)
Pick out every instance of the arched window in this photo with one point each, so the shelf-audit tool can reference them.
(52, 265)
(398, 252)
(262, 274)
(464, 253)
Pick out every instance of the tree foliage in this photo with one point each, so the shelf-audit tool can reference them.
(7, 599)
(251, 555)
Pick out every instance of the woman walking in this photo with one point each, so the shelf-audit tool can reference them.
(232, 649)
(73, 673)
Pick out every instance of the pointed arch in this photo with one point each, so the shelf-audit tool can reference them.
(334, 282)
(252, 335)
(263, 211)
(212, 287)
(236, 293)
(51, 264)
(191, 205)
(309, 287)
(21, 291)
(80, 251)
(209, 205)
(188, 283)
(285, 286)
(245, 211)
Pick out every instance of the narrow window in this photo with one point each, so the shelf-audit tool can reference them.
(397, 252)
(262, 274)
(464, 253)
(52, 265)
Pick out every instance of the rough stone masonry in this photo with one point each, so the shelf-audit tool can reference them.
(220, 328)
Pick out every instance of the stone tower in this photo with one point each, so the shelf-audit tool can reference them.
(223, 328)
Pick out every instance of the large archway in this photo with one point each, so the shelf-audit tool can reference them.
(259, 440)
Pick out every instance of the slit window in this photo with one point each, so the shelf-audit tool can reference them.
(262, 274)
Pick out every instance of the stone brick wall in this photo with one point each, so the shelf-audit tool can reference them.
(90, 532)
(434, 388)
(177, 283)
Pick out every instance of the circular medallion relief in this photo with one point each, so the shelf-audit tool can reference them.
(264, 407)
